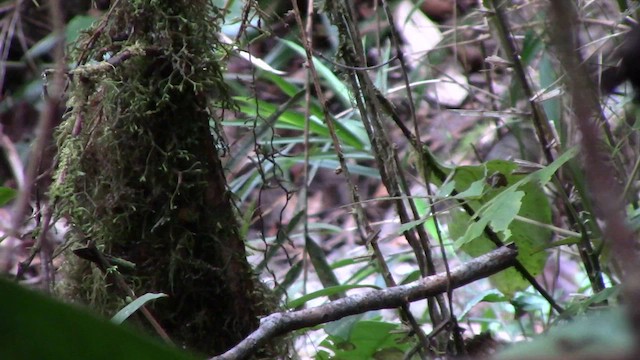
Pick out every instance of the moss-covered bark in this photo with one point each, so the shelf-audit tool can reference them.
(139, 173)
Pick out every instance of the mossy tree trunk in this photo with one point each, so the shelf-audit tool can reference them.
(139, 173)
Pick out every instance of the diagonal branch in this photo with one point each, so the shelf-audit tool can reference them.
(284, 322)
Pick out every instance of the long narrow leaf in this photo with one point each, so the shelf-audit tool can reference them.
(335, 83)
(133, 306)
(324, 271)
(295, 120)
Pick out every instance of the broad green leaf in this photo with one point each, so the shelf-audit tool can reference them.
(446, 189)
(7, 194)
(519, 195)
(474, 190)
(78, 24)
(35, 326)
(367, 340)
(498, 214)
(341, 329)
(497, 208)
(133, 306)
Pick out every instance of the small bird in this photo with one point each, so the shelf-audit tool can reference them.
(628, 67)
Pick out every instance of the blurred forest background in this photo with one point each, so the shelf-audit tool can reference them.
(187, 168)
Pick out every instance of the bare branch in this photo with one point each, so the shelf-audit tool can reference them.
(284, 322)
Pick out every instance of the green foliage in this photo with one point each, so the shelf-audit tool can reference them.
(7, 194)
(65, 332)
(334, 82)
(497, 194)
(365, 339)
(497, 208)
(294, 120)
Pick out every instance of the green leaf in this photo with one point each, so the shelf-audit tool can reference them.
(531, 46)
(474, 190)
(292, 275)
(491, 295)
(522, 195)
(290, 89)
(362, 273)
(584, 305)
(66, 332)
(7, 194)
(367, 340)
(324, 271)
(341, 329)
(348, 261)
(411, 224)
(71, 33)
(78, 24)
(334, 83)
(553, 106)
(543, 176)
(446, 189)
(133, 306)
(413, 276)
(296, 121)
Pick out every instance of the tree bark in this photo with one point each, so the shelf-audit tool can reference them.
(139, 174)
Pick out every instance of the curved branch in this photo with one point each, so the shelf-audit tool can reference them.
(284, 322)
